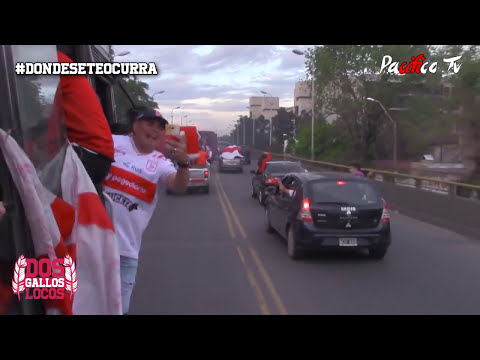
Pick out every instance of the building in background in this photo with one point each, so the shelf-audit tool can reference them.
(302, 97)
(264, 105)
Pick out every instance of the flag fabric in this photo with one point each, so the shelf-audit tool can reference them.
(191, 137)
(231, 152)
(98, 257)
(39, 205)
(76, 225)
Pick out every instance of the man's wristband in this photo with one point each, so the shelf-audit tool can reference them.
(185, 166)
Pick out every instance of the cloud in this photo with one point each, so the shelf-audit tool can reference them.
(213, 83)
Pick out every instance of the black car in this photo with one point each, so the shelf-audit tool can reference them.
(273, 170)
(245, 151)
(329, 211)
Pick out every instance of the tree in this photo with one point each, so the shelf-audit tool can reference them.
(346, 75)
(331, 143)
(466, 98)
(283, 123)
(137, 91)
(262, 133)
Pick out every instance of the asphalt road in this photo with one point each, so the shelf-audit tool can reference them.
(209, 254)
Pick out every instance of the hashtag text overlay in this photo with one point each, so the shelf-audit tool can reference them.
(54, 68)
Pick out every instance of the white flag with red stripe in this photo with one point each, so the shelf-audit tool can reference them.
(78, 226)
(98, 257)
(231, 152)
(42, 209)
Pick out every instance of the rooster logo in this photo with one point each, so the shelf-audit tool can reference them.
(71, 282)
(18, 281)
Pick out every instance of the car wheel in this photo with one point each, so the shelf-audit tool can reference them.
(377, 253)
(266, 222)
(207, 189)
(292, 246)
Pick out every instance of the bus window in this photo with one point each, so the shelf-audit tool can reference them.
(28, 108)
(42, 126)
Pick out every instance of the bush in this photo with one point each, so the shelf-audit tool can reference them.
(331, 144)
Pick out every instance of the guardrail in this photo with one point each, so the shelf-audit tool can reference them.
(467, 191)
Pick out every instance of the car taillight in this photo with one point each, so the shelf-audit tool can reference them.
(304, 214)
(340, 182)
(270, 181)
(385, 213)
(205, 173)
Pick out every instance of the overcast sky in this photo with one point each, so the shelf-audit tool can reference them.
(213, 83)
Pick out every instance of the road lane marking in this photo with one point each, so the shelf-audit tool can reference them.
(262, 303)
(225, 213)
(258, 262)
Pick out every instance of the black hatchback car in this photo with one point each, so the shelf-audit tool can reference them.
(329, 211)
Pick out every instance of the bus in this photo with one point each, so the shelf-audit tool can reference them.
(25, 109)
(210, 138)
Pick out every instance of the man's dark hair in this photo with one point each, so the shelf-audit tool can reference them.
(356, 166)
(132, 113)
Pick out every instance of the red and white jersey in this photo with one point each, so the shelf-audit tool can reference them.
(132, 185)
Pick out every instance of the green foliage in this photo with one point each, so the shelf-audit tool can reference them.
(331, 143)
(138, 93)
(345, 75)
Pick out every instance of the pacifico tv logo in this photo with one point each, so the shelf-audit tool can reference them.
(417, 65)
(44, 279)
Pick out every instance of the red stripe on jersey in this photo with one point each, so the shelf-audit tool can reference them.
(130, 183)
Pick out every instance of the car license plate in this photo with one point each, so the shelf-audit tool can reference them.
(347, 241)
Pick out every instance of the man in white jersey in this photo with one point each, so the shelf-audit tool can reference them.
(132, 185)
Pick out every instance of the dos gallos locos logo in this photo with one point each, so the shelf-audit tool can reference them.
(44, 278)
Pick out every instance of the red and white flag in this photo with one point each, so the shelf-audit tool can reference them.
(42, 210)
(231, 152)
(98, 257)
(77, 226)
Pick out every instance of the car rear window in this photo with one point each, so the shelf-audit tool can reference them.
(344, 192)
(284, 168)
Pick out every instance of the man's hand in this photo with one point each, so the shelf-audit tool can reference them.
(283, 189)
(2, 210)
(280, 184)
(177, 150)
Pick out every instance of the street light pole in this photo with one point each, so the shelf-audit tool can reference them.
(313, 115)
(178, 107)
(394, 131)
(298, 52)
(121, 53)
(265, 93)
(253, 125)
(158, 92)
(244, 142)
